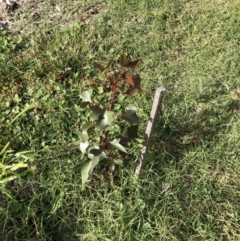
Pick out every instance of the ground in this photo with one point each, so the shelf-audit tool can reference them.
(189, 188)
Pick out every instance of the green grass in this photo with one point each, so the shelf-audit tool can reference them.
(190, 187)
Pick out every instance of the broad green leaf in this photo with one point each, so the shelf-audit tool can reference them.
(85, 96)
(95, 152)
(94, 161)
(131, 107)
(130, 115)
(85, 136)
(107, 120)
(118, 162)
(132, 131)
(94, 146)
(85, 169)
(103, 155)
(117, 145)
(97, 113)
(83, 146)
(112, 167)
(78, 133)
(74, 145)
(85, 131)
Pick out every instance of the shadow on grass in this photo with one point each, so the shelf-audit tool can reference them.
(177, 134)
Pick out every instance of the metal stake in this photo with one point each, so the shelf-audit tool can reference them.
(150, 127)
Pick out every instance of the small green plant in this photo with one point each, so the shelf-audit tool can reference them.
(8, 44)
(8, 171)
(13, 165)
(108, 125)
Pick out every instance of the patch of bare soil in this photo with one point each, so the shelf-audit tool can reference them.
(7, 11)
(27, 15)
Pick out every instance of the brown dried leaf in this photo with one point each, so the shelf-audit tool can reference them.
(129, 80)
(100, 67)
(91, 82)
(123, 60)
(136, 84)
(142, 88)
(133, 64)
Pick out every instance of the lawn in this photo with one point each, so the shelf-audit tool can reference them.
(189, 188)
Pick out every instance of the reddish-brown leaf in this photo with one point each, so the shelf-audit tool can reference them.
(133, 64)
(137, 80)
(100, 67)
(134, 81)
(123, 75)
(129, 80)
(109, 63)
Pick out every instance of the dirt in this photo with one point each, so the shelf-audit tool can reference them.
(8, 9)
(26, 15)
